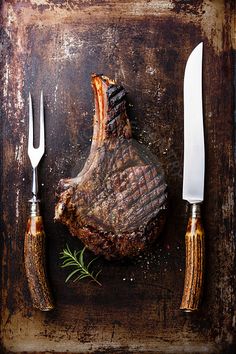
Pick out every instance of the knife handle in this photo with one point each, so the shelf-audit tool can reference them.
(195, 254)
(34, 259)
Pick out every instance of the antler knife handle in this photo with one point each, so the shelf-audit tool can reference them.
(34, 258)
(195, 250)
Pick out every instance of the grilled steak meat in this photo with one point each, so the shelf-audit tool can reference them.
(117, 204)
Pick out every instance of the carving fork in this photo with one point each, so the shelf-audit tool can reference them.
(34, 243)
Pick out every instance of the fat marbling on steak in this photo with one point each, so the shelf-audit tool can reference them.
(117, 204)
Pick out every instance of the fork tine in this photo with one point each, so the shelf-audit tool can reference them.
(31, 133)
(42, 133)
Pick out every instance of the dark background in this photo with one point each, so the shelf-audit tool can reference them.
(144, 45)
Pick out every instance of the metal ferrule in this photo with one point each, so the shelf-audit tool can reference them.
(195, 210)
(34, 207)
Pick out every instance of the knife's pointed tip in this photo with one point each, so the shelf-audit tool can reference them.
(200, 45)
(196, 53)
(198, 48)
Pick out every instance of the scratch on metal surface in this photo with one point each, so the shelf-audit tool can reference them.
(5, 80)
(17, 204)
(19, 98)
(19, 151)
(19, 158)
(228, 206)
(55, 95)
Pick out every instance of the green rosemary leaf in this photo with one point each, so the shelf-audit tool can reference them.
(81, 257)
(71, 275)
(75, 260)
(68, 264)
(98, 273)
(91, 262)
(81, 277)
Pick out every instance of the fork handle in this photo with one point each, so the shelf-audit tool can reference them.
(34, 259)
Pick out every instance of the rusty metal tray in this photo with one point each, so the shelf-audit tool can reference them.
(55, 45)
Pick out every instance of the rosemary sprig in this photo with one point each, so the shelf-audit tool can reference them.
(79, 268)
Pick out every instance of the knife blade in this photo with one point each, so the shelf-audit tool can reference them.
(193, 179)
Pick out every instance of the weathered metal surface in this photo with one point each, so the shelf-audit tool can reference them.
(56, 45)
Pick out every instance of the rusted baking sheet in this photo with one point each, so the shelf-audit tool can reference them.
(55, 46)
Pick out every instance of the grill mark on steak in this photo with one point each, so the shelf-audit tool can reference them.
(117, 204)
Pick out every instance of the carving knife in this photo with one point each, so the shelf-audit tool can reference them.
(193, 179)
